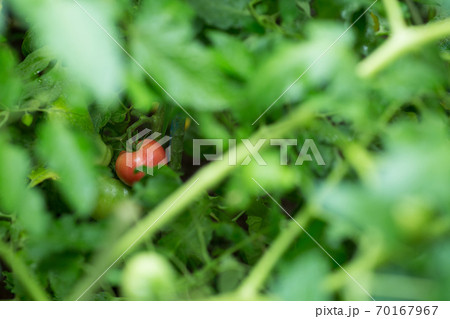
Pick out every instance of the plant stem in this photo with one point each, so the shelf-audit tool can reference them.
(141, 121)
(395, 16)
(401, 43)
(5, 115)
(415, 13)
(259, 273)
(176, 145)
(21, 271)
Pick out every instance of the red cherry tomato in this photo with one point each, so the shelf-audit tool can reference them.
(149, 154)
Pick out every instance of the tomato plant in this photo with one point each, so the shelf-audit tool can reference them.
(227, 109)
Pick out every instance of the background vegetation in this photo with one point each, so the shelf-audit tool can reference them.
(77, 78)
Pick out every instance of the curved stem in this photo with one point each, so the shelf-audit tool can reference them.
(401, 43)
(21, 271)
(5, 115)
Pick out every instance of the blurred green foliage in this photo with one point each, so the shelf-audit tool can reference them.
(77, 78)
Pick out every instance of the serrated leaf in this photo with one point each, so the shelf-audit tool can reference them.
(40, 174)
(100, 118)
(223, 14)
(189, 237)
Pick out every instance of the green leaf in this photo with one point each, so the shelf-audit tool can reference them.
(162, 40)
(188, 237)
(100, 118)
(153, 188)
(15, 198)
(65, 271)
(40, 174)
(71, 31)
(77, 119)
(10, 84)
(411, 77)
(294, 14)
(232, 55)
(41, 75)
(303, 278)
(231, 272)
(223, 14)
(66, 234)
(70, 155)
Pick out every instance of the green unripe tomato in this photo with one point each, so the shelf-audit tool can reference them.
(110, 193)
(148, 276)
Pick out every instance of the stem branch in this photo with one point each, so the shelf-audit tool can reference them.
(21, 271)
(251, 285)
(400, 44)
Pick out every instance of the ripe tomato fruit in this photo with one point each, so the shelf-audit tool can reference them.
(149, 154)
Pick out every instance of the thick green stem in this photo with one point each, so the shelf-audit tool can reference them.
(21, 272)
(176, 146)
(5, 115)
(251, 285)
(395, 16)
(401, 43)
